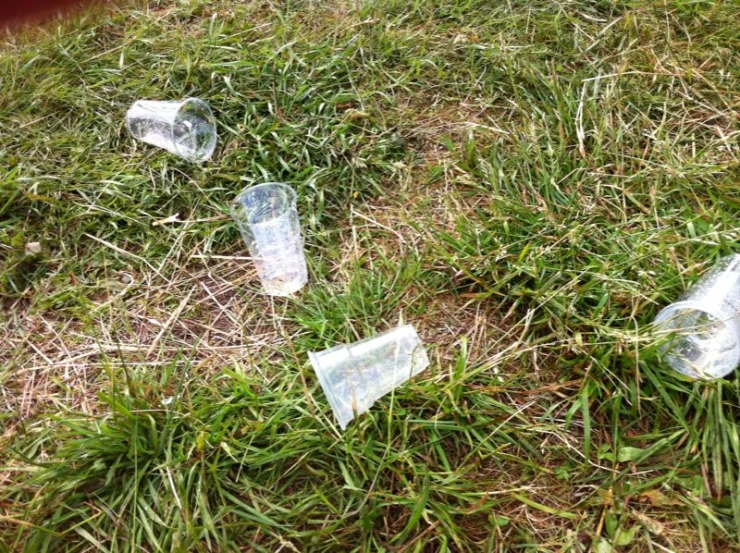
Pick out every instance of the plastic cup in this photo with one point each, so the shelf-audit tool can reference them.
(185, 127)
(268, 220)
(702, 329)
(354, 376)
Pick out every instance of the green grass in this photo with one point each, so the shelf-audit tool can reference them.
(528, 183)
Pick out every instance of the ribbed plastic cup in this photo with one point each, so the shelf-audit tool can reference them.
(355, 376)
(267, 217)
(185, 127)
(701, 331)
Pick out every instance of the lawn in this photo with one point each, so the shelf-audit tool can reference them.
(527, 183)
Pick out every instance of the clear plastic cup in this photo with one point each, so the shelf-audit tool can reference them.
(702, 329)
(354, 376)
(185, 128)
(268, 220)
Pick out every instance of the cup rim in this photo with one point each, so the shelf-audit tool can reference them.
(126, 120)
(203, 104)
(339, 412)
(669, 310)
(292, 199)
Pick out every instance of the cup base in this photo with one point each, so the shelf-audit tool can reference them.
(700, 344)
(283, 288)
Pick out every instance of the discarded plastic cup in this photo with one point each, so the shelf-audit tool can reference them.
(268, 220)
(702, 329)
(354, 376)
(185, 127)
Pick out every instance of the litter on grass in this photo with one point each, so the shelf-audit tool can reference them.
(701, 331)
(355, 376)
(185, 127)
(267, 217)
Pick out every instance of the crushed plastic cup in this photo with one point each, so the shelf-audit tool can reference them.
(701, 331)
(355, 376)
(267, 217)
(185, 127)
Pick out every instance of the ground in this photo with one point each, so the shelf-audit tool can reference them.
(527, 183)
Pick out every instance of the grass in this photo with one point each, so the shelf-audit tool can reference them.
(528, 183)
